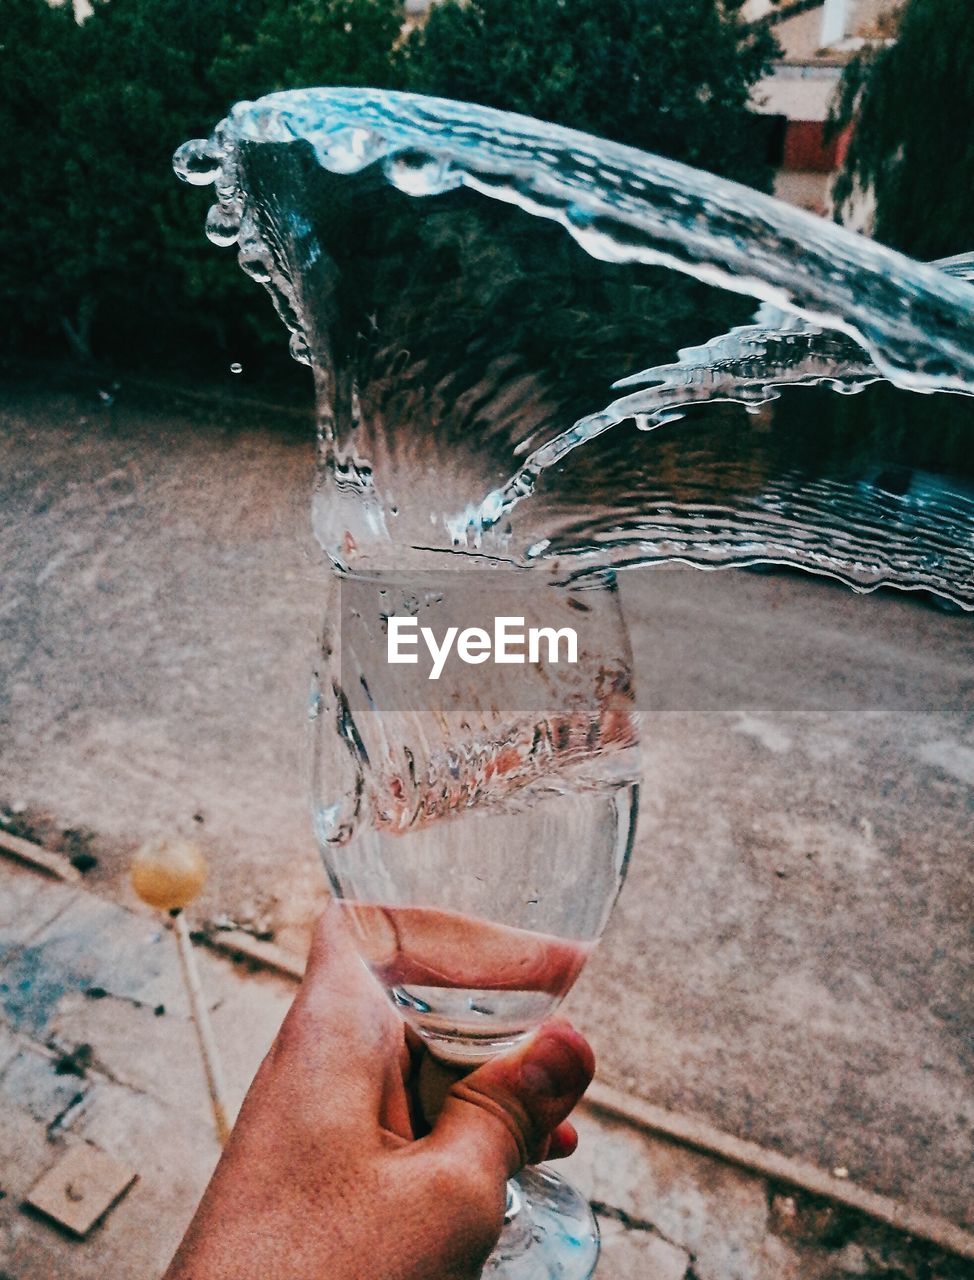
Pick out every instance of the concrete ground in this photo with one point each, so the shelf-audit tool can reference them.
(96, 1049)
(77, 970)
(790, 958)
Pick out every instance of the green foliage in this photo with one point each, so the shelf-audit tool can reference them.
(307, 43)
(669, 76)
(38, 72)
(911, 104)
(100, 244)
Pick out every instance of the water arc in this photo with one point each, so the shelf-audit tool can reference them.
(466, 350)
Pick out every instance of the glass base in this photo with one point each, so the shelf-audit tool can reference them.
(550, 1232)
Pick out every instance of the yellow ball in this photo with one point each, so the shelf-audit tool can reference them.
(168, 874)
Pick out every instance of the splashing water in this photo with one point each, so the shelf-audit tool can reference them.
(465, 350)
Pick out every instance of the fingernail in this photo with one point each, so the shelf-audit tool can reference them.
(554, 1067)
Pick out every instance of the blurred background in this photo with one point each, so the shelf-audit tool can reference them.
(790, 962)
(854, 109)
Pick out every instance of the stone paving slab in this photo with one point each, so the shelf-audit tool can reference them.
(666, 1213)
(9, 1046)
(130, 1078)
(89, 946)
(32, 1083)
(663, 1207)
(24, 911)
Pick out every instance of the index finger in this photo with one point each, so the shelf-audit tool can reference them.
(339, 1028)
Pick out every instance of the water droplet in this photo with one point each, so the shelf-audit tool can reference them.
(236, 367)
(255, 265)
(491, 508)
(351, 149)
(298, 346)
(223, 225)
(197, 162)
(417, 174)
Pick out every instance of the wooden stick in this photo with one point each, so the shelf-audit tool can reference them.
(689, 1131)
(41, 859)
(204, 1029)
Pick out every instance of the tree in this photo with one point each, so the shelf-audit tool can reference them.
(911, 104)
(306, 43)
(98, 238)
(100, 244)
(39, 69)
(669, 76)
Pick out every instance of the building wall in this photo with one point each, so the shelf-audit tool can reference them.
(811, 191)
(800, 37)
(816, 44)
(798, 92)
(872, 18)
(854, 20)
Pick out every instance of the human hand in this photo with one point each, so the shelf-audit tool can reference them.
(332, 1174)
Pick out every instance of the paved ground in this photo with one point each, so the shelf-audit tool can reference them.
(791, 955)
(140, 1098)
(96, 1048)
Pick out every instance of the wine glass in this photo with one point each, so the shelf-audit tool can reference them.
(477, 827)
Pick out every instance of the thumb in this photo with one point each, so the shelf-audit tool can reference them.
(499, 1117)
